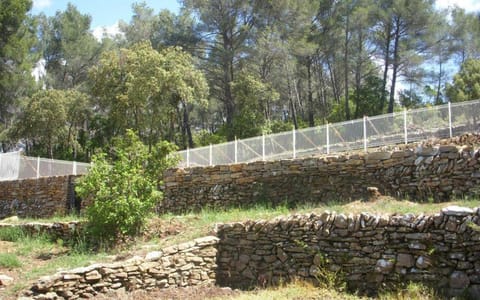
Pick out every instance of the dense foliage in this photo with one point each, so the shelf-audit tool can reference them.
(224, 69)
(122, 186)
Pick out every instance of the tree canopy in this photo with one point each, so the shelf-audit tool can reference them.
(217, 70)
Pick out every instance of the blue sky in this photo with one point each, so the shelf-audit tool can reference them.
(104, 13)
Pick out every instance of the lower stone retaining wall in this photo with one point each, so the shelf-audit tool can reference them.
(370, 251)
(37, 198)
(188, 264)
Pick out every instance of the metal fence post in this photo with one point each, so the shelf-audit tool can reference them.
(365, 133)
(74, 171)
(328, 140)
(211, 155)
(263, 146)
(293, 143)
(405, 131)
(450, 117)
(188, 157)
(236, 150)
(38, 166)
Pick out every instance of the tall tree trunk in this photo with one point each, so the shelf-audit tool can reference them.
(396, 62)
(358, 75)
(333, 80)
(321, 87)
(345, 62)
(439, 83)
(227, 81)
(311, 119)
(385, 68)
(186, 125)
(291, 101)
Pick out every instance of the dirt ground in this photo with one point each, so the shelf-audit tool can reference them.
(187, 293)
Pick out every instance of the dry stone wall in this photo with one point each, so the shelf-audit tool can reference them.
(188, 264)
(370, 251)
(367, 251)
(439, 172)
(42, 197)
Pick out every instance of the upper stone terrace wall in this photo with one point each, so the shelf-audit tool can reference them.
(438, 172)
(38, 198)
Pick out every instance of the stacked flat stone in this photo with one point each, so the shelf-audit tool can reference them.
(188, 264)
(36, 198)
(370, 251)
(426, 172)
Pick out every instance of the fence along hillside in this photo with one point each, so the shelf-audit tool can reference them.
(14, 166)
(406, 126)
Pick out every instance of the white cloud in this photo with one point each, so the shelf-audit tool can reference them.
(106, 31)
(468, 5)
(39, 4)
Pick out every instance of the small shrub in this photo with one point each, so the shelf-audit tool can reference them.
(9, 260)
(123, 187)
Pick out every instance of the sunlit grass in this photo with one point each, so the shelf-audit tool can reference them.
(9, 261)
(295, 290)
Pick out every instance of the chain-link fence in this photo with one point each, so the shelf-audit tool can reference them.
(441, 121)
(15, 166)
(406, 126)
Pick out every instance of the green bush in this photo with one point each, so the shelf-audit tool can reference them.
(123, 187)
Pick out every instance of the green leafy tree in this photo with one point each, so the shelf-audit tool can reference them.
(51, 121)
(466, 86)
(123, 187)
(228, 24)
(69, 48)
(368, 97)
(16, 39)
(466, 83)
(410, 99)
(466, 29)
(402, 34)
(142, 26)
(147, 91)
(252, 96)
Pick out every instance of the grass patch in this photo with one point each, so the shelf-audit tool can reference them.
(9, 260)
(11, 234)
(386, 205)
(202, 223)
(294, 290)
(412, 291)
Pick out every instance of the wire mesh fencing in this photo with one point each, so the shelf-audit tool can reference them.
(15, 166)
(405, 126)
